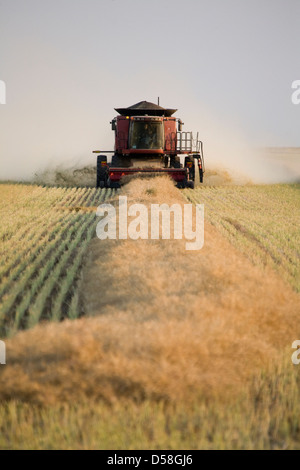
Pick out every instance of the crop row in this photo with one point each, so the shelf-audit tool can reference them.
(44, 237)
(261, 221)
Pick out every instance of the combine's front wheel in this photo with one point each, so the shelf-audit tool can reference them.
(101, 171)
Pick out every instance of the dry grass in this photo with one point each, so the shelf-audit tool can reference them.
(166, 324)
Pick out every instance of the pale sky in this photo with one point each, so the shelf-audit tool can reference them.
(227, 65)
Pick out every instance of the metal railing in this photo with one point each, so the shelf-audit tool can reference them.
(186, 142)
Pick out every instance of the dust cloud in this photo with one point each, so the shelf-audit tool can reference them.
(227, 148)
(79, 176)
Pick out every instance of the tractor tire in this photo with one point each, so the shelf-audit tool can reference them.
(112, 184)
(190, 184)
(115, 161)
(183, 184)
(101, 179)
(175, 162)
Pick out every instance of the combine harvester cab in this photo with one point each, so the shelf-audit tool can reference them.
(148, 139)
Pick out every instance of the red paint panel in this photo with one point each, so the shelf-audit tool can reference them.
(122, 133)
(170, 134)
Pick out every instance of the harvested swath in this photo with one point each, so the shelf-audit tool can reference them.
(165, 324)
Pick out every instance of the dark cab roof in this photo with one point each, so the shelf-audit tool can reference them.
(144, 107)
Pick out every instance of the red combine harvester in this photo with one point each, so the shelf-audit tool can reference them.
(147, 140)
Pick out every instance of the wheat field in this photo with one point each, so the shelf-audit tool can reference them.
(262, 221)
(44, 236)
(183, 350)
